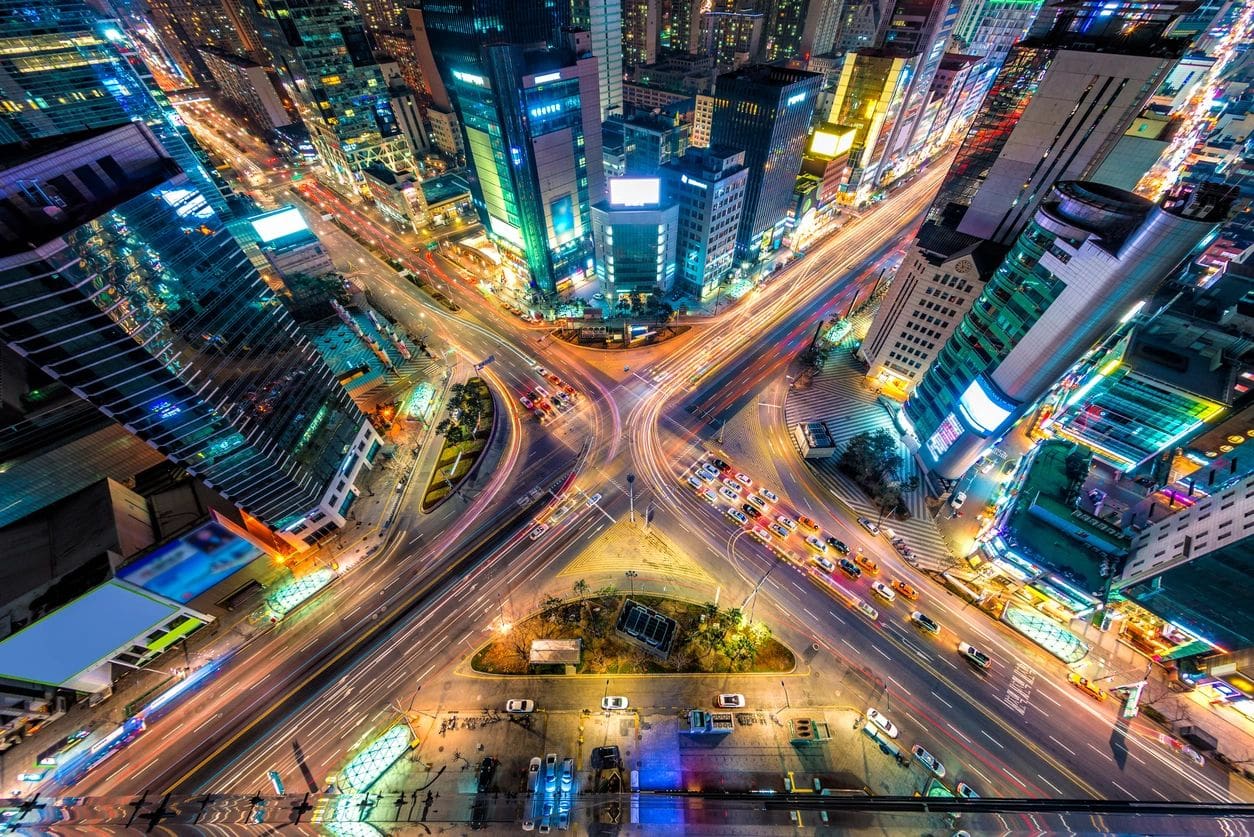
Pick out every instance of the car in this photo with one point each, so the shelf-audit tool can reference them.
(719, 463)
(838, 545)
(743, 479)
(924, 622)
(882, 590)
(958, 498)
(594, 499)
(779, 530)
(1087, 685)
(825, 563)
(732, 485)
(730, 701)
(786, 521)
(613, 702)
(570, 391)
(861, 559)
(751, 511)
(707, 474)
(850, 568)
(889, 534)
(985, 464)
(487, 770)
(542, 392)
(868, 525)
(882, 722)
(598, 296)
(906, 590)
(928, 760)
(768, 494)
(808, 523)
(757, 501)
(568, 775)
(974, 656)
(902, 548)
(538, 531)
(866, 610)
(526, 402)
(760, 534)
(728, 493)
(708, 495)
(1009, 467)
(519, 706)
(533, 772)
(735, 515)
(966, 791)
(695, 482)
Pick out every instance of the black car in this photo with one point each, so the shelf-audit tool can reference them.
(851, 569)
(719, 463)
(606, 758)
(838, 545)
(750, 510)
(487, 770)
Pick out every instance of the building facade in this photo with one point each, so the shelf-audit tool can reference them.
(766, 111)
(869, 97)
(326, 62)
(708, 185)
(186, 347)
(916, 28)
(635, 233)
(248, 87)
(641, 31)
(603, 19)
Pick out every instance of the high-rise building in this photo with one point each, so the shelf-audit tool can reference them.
(184, 345)
(326, 62)
(916, 28)
(709, 187)
(651, 140)
(533, 144)
(641, 31)
(247, 86)
(732, 38)
(989, 28)
(949, 105)
(869, 97)
(603, 19)
(799, 28)
(859, 24)
(766, 111)
(185, 26)
(1089, 253)
(942, 274)
(634, 231)
(1055, 111)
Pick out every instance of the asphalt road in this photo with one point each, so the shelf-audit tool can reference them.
(1044, 739)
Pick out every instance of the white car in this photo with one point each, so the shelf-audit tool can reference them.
(826, 564)
(883, 591)
(742, 478)
(707, 473)
(768, 494)
(730, 701)
(928, 760)
(538, 531)
(816, 544)
(708, 495)
(729, 494)
(757, 501)
(882, 722)
(958, 499)
(974, 656)
(867, 524)
(596, 498)
(732, 485)
(787, 522)
(695, 482)
(519, 706)
(738, 516)
(613, 702)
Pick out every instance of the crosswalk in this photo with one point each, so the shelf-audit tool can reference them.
(840, 396)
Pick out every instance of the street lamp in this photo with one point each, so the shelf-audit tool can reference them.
(632, 575)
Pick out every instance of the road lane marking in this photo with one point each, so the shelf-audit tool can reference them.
(1057, 789)
(851, 648)
(837, 618)
(1014, 778)
(881, 653)
(899, 686)
(942, 700)
(1060, 744)
(980, 774)
(1160, 796)
(1050, 699)
(1099, 752)
(959, 733)
(994, 740)
(1122, 788)
(811, 615)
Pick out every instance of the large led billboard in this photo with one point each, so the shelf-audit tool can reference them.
(828, 143)
(635, 191)
(279, 224)
(188, 566)
(78, 637)
(982, 408)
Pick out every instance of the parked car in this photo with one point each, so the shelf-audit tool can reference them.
(928, 760)
(730, 701)
(1087, 685)
(868, 525)
(613, 702)
(882, 722)
(966, 791)
(519, 706)
(958, 498)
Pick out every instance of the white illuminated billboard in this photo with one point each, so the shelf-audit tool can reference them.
(276, 225)
(984, 414)
(635, 191)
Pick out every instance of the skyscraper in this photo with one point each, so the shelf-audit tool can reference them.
(641, 31)
(709, 187)
(533, 143)
(634, 230)
(603, 19)
(324, 58)
(766, 111)
(1056, 111)
(799, 28)
(1088, 254)
(870, 94)
(916, 28)
(185, 26)
(119, 279)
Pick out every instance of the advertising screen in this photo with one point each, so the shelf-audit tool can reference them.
(77, 637)
(984, 414)
(635, 191)
(830, 143)
(280, 223)
(184, 568)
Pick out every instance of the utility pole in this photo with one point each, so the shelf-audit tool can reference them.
(631, 497)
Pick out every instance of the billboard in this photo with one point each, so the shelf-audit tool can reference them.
(827, 143)
(78, 637)
(984, 409)
(278, 224)
(188, 566)
(635, 191)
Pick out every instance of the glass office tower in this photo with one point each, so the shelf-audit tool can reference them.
(119, 279)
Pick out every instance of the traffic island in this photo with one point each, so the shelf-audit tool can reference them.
(466, 431)
(609, 633)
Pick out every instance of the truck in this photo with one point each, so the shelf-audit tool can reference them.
(1198, 737)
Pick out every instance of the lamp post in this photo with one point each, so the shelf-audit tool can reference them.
(631, 497)
(632, 575)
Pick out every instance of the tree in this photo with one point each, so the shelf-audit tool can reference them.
(451, 430)
(869, 455)
(580, 588)
(550, 605)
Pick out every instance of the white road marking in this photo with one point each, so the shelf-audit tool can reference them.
(837, 618)
(942, 700)
(1057, 789)
(1160, 796)
(994, 740)
(1099, 752)
(1014, 778)
(899, 686)
(881, 653)
(1122, 788)
(1060, 744)
(959, 733)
